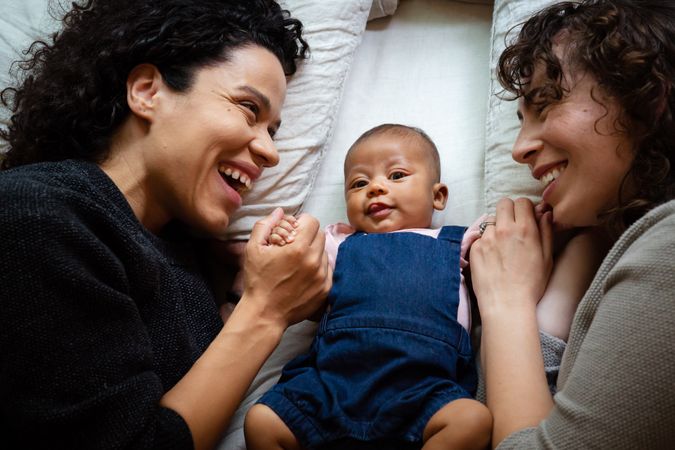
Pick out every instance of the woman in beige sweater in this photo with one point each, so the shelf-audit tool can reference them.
(594, 81)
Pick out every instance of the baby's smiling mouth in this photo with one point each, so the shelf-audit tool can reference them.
(375, 208)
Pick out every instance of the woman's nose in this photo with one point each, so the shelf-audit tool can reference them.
(264, 150)
(527, 145)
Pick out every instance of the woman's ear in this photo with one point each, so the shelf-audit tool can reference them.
(143, 84)
(440, 196)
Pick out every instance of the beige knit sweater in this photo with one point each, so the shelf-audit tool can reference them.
(616, 387)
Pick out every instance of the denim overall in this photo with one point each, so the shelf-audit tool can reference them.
(388, 354)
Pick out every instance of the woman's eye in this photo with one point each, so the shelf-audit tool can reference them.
(397, 175)
(253, 107)
(544, 107)
(359, 184)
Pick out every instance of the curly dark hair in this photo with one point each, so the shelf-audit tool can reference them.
(73, 94)
(629, 48)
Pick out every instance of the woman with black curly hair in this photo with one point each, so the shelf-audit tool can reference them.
(141, 124)
(594, 81)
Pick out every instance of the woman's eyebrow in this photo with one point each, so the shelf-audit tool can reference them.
(259, 95)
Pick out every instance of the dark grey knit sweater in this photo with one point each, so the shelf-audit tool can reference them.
(98, 317)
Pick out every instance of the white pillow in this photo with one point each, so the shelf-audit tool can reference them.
(333, 29)
(382, 8)
(21, 23)
(503, 176)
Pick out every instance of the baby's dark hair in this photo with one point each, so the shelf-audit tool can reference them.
(403, 131)
(72, 97)
(628, 46)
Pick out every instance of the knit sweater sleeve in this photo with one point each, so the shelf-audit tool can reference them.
(617, 391)
(75, 358)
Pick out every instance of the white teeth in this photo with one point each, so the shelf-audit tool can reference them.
(236, 175)
(551, 175)
(245, 179)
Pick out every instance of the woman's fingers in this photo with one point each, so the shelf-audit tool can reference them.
(504, 212)
(546, 232)
(511, 261)
(523, 210)
(540, 208)
(307, 230)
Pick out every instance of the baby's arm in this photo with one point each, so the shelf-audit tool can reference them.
(573, 270)
(284, 232)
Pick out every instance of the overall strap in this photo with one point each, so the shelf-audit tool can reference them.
(452, 233)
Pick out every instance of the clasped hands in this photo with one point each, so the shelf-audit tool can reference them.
(288, 283)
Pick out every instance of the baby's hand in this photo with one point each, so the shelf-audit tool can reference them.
(284, 232)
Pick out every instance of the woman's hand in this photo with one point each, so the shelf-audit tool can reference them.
(286, 284)
(282, 285)
(510, 267)
(512, 261)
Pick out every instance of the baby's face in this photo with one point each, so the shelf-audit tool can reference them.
(390, 184)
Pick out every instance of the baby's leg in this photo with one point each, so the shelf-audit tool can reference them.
(461, 424)
(264, 430)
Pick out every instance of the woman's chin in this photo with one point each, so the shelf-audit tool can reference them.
(213, 226)
(562, 222)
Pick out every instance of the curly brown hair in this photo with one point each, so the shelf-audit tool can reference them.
(629, 48)
(73, 94)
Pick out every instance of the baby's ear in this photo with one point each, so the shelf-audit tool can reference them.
(440, 196)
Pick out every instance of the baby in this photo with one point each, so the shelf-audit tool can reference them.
(391, 365)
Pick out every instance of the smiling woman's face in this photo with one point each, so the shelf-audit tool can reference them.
(574, 148)
(215, 139)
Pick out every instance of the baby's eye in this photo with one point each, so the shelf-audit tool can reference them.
(397, 175)
(358, 184)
